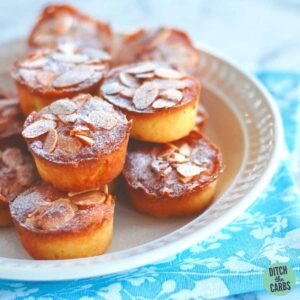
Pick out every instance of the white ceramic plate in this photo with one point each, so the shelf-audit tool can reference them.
(246, 125)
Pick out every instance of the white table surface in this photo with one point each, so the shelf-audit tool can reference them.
(258, 34)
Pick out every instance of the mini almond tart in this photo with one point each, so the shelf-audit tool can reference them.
(48, 75)
(54, 225)
(170, 45)
(173, 179)
(161, 101)
(17, 173)
(63, 24)
(78, 144)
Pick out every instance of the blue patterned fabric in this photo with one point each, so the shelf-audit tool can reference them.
(229, 262)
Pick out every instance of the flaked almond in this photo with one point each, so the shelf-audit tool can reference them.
(69, 144)
(28, 75)
(96, 55)
(164, 84)
(172, 146)
(38, 128)
(145, 95)
(127, 92)
(189, 169)
(49, 117)
(34, 63)
(172, 94)
(145, 75)
(184, 179)
(72, 194)
(45, 77)
(168, 73)
(185, 149)
(73, 77)
(159, 165)
(109, 200)
(63, 107)
(128, 80)
(50, 141)
(85, 139)
(12, 157)
(179, 158)
(167, 171)
(105, 120)
(81, 130)
(142, 68)
(88, 199)
(161, 103)
(70, 58)
(111, 88)
(68, 118)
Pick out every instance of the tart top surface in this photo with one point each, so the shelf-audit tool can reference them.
(163, 44)
(172, 170)
(11, 118)
(59, 24)
(149, 87)
(63, 69)
(17, 173)
(71, 130)
(42, 208)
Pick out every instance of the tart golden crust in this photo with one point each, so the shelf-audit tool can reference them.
(60, 23)
(84, 138)
(17, 173)
(57, 225)
(182, 172)
(170, 45)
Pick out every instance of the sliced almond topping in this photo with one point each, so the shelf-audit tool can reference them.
(172, 94)
(69, 144)
(104, 189)
(50, 141)
(168, 73)
(142, 68)
(111, 88)
(88, 199)
(103, 120)
(63, 107)
(189, 169)
(185, 149)
(145, 95)
(167, 171)
(179, 158)
(159, 165)
(34, 63)
(184, 179)
(145, 75)
(128, 80)
(85, 139)
(72, 194)
(109, 200)
(73, 77)
(164, 84)
(161, 103)
(12, 157)
(70, 57)
(81, 130)
(38, 128)
(172, 146)
(127, 92)
(28, 75)
(49, 117)
(45, 77)
(68, 118)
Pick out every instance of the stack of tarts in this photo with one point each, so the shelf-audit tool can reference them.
(83, 94)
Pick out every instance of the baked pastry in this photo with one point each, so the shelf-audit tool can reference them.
(161, 101)
(173, 179)
(56, 225)
(17, 173)
(11, 119)
(48, 75)
(78, 144)
(63, 24)
(169, 45)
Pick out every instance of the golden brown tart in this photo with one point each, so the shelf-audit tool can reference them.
(173, 179)
(78, 143)
(160, 100)
(56, 225)
(48, 75)
(17, 173)
(169, 45)
(63, 24)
